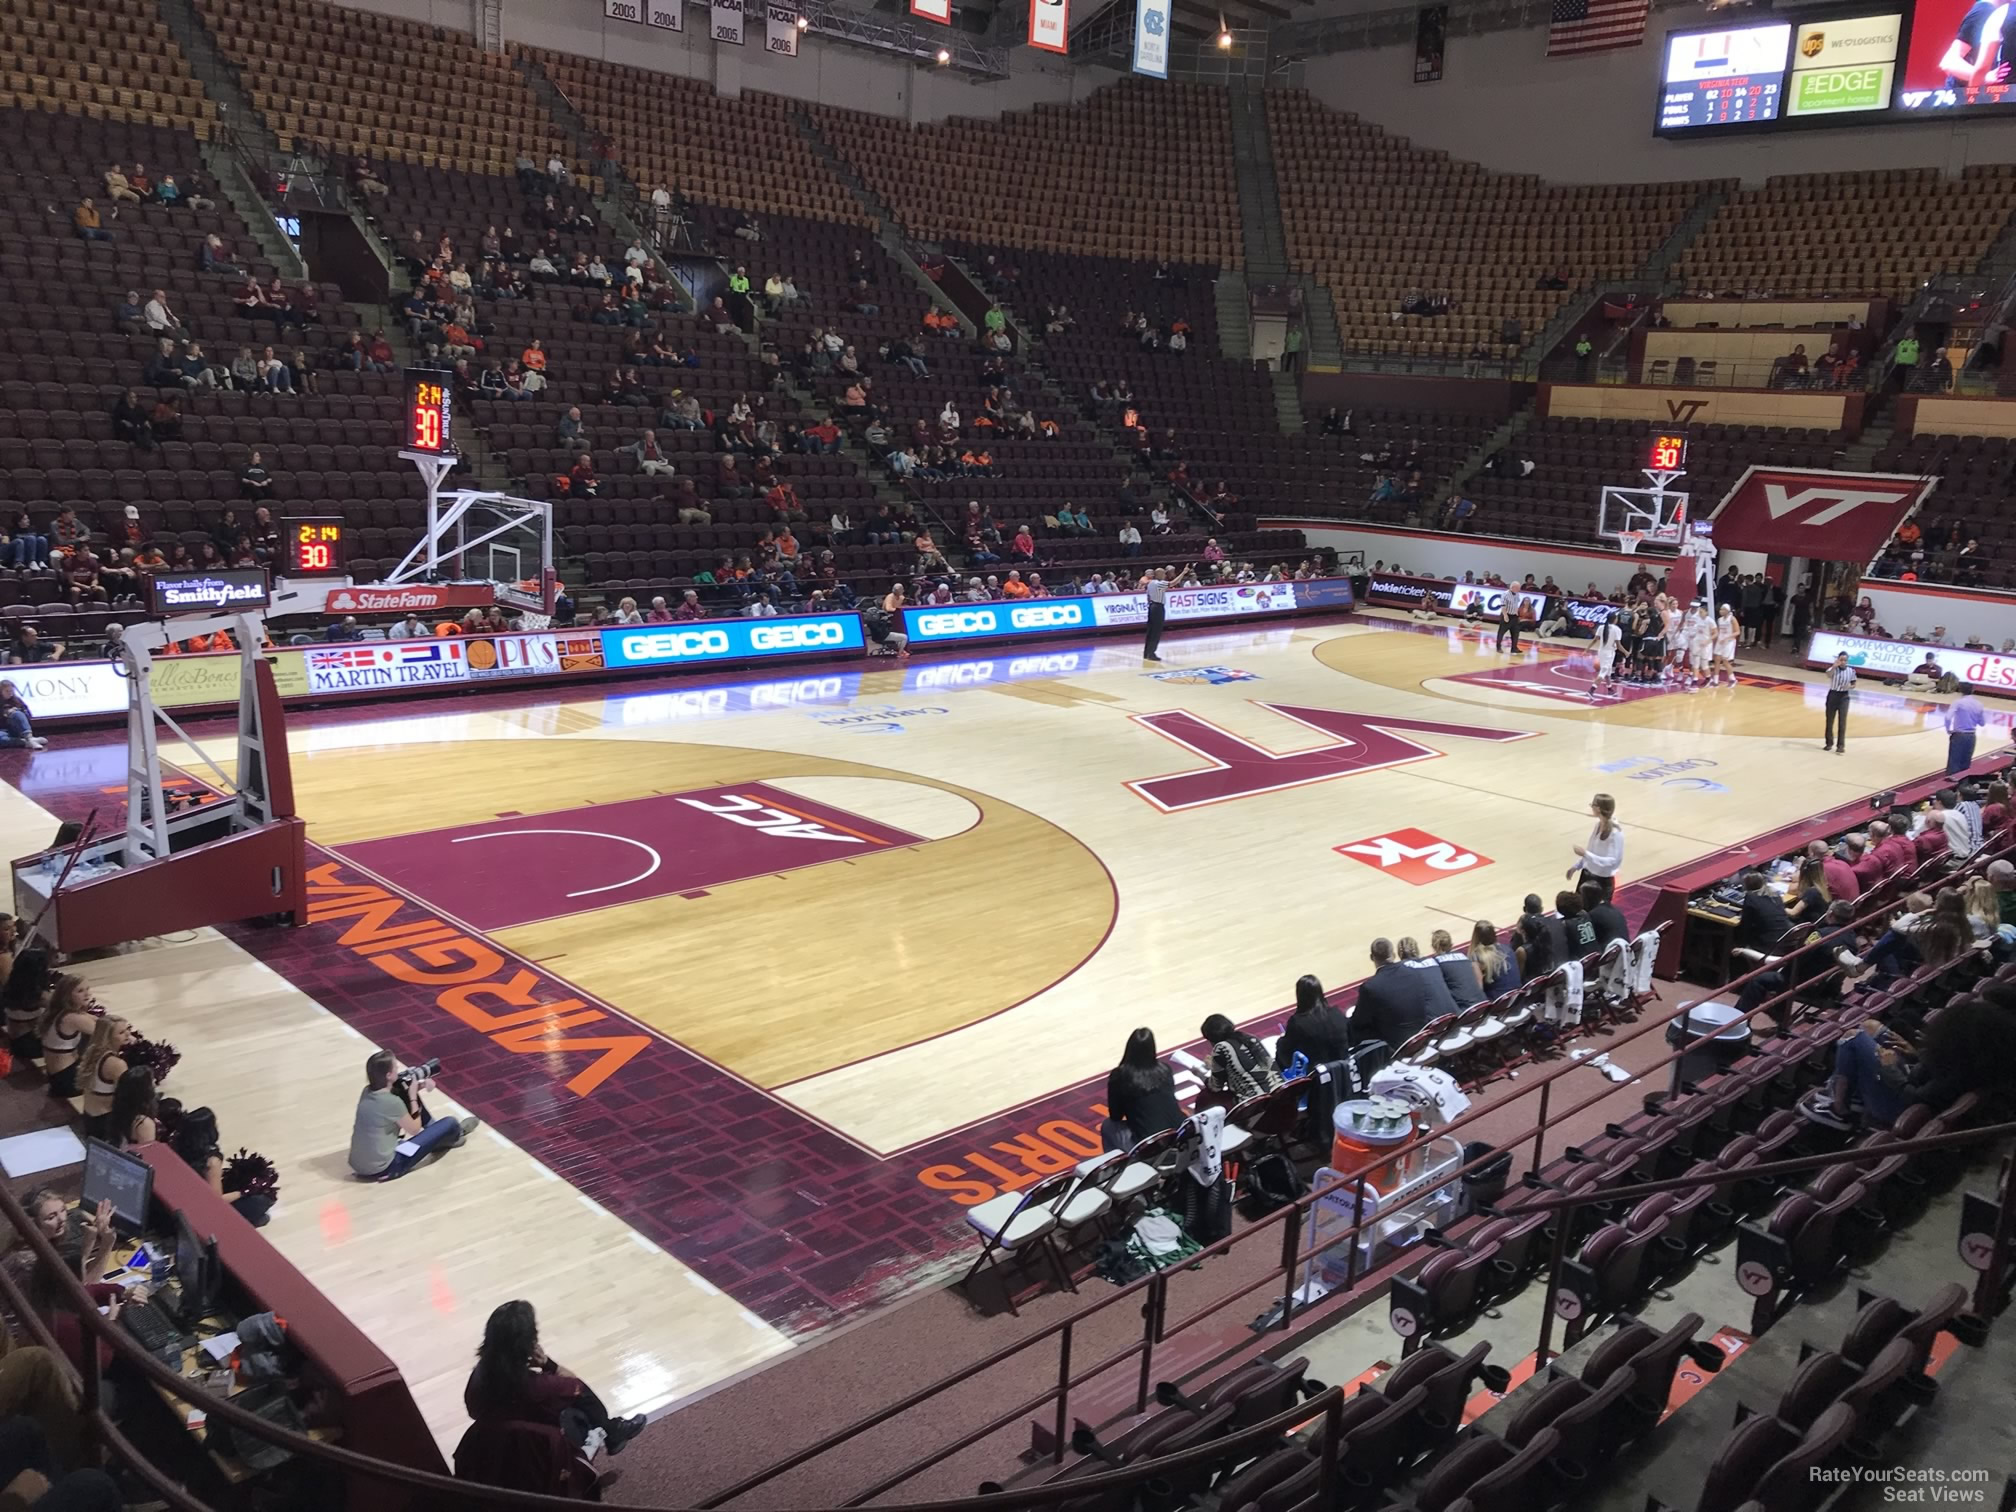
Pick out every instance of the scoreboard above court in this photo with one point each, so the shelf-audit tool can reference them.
(1666, 454)
(314, 547)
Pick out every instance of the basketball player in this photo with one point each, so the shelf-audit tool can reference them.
(1700, 646)
(1671, 625)
(1609, 641)
(1651, 643)
(1727, 631)
(1973, 59)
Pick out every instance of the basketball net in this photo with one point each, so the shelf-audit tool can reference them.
(1627, 541)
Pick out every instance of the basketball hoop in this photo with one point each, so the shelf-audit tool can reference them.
(1627, 541)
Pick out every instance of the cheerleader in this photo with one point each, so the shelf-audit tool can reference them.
(1727, 631)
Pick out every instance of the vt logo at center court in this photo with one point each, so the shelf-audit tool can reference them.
(1240, 769)
(1413, 856)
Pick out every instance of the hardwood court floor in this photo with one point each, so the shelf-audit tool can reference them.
(904, 900)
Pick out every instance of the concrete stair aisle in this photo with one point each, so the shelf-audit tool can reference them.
(1235, 319)
(1259, 197)
(616, 193)
(889, 231)
(219, 77)
(225, 166)
(1288, 402)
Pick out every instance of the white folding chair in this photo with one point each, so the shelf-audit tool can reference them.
(1016, 1221)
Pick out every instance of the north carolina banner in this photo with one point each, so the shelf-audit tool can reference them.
(1431, 30)
(728, 21)
(783, 31)
(1151, 38)
(1825, 516)
(1050, 25)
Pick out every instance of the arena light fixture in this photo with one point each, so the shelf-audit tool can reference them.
(944, 56)
(1224, 36)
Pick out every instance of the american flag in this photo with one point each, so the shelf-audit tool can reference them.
(1590, 26)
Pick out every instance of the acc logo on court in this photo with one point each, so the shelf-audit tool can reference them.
(1043, 616)
(956, 622)
(1414, 856)
(796, 637)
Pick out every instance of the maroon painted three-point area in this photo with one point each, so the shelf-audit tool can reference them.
(604, 854)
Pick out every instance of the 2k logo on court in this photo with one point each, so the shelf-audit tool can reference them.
(1414, 856)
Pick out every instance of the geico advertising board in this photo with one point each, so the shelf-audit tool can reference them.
(931, 624)
(1990, 671)
(722, 640)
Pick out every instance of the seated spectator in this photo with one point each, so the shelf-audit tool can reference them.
(569, 431)
(86, 222)
(1317, 1032)
(254, 481)
(581, 480)
(650, 457)
(1022, 548)
(160, 316)
(17, 725)
(1239, 1064)
(213, 256)
(1140, 1095)
(130, 423)
(514, 1382)
(1603, 915)
(276, 373)
(246, 373)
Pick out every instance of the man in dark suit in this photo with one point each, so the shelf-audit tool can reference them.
(1605, 915)
(1393, 1003)
(1764, 922)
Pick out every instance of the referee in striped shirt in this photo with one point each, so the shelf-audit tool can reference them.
(1840, 688)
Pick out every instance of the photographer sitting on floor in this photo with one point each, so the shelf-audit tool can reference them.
(393, 1131)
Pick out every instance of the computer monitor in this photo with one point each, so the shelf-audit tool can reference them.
(126, 1181)
(195, 1269)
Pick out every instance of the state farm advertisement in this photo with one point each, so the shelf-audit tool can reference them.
(410, 598)
(1990, 671)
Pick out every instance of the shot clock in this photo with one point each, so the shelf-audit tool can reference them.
(315, 547)
(1667, 454)
(430, 410)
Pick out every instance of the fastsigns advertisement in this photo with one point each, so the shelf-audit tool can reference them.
(1990, 671)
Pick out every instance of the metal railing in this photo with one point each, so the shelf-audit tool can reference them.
(1151, 1293)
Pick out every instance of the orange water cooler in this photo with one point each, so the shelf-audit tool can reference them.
(1370, 1131)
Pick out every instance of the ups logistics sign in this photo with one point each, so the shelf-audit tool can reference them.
(1825, 516)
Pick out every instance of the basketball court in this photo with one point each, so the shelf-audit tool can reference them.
(776, 974)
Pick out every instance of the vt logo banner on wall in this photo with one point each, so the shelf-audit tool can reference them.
(1151, 38)
(783, 31)
(1828, 516)
(728, 21)
(1050, 25)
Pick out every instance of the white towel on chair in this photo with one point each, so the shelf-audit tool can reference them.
(1207, 1162)
(1614, 972)
(1644, 951)
(1564, 996)
(1424, 1087)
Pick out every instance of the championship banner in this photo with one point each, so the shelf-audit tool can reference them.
(727, 21)
(1431, 27)
(783, 31)
(666, 15)
(1151, 38)
(933, 10)
(1050, 25)
(623, 10)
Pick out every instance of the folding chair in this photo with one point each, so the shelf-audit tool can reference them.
(1016, 1221)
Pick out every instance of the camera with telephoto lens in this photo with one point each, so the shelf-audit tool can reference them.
(412, 1076)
